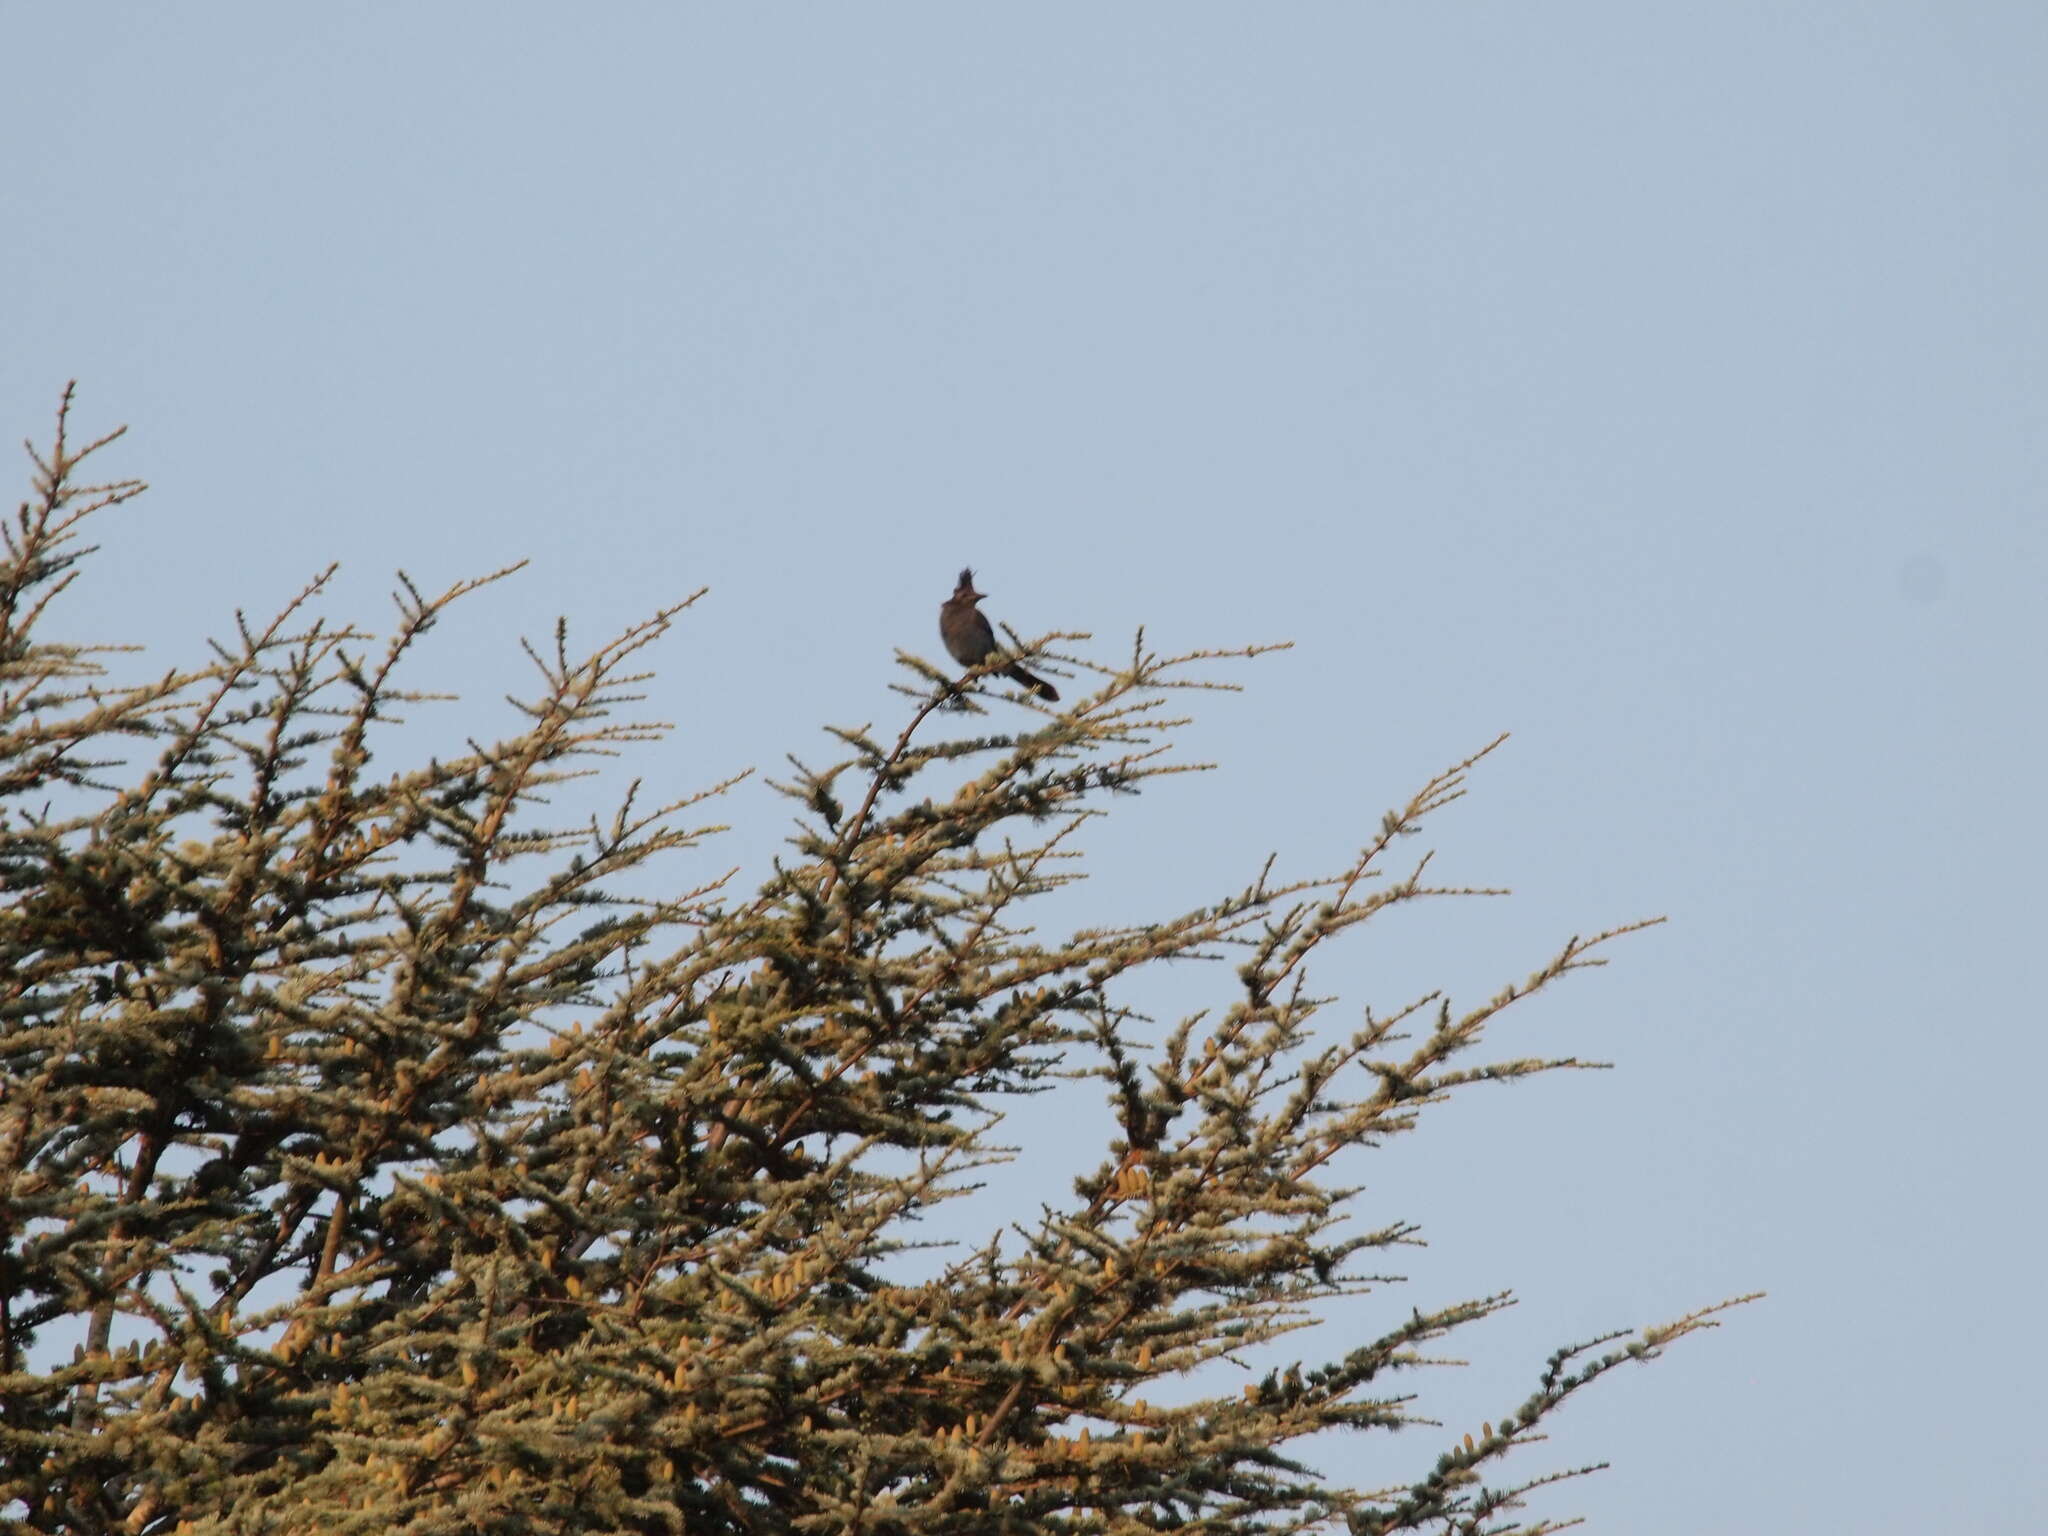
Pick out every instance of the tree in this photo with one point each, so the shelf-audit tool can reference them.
(371, 1159)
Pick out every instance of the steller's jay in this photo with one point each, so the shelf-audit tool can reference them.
(971, 640)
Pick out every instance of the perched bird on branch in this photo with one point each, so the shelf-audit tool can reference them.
(971, 639)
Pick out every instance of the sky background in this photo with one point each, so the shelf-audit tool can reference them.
(1663, 384)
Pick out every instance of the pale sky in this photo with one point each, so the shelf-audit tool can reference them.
(1663, 384)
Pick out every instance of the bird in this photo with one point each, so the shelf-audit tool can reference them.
(971, 640)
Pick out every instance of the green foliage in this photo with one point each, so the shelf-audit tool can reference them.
(371, 1161)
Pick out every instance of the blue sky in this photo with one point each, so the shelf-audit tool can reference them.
(1663, 384)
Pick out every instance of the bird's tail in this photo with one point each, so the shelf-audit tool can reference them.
(1037, 685)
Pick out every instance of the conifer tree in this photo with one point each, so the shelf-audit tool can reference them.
(379, 1155)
